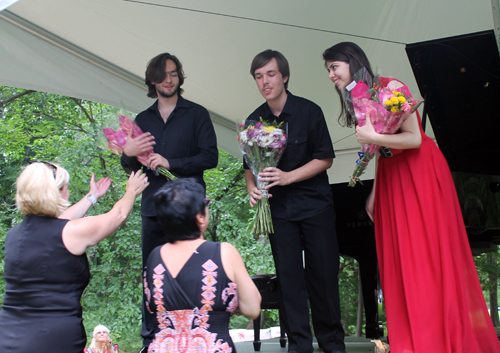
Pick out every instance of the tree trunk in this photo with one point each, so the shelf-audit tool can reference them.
(359, 322)
(346, 315)
(493, 279)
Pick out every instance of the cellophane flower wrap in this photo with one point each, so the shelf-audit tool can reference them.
(387, 109)
(117, 140)
(262, 145)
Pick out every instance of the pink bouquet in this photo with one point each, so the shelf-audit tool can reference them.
(387, 109)
(262, 145)
(118, 139)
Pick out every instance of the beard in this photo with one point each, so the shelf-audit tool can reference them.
(166, 94)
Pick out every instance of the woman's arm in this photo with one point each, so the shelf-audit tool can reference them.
(370, 201)
(248, 294)
(409, 137)
(79, 209)
(79, 234)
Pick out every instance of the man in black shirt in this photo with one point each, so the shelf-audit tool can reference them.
(302, 211)
(184, 142)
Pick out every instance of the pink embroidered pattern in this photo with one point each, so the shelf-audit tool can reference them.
(185, 331)
(147, 292)
(231, 290)
(209, 279)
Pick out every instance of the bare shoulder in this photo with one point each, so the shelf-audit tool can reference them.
(231, 261)
(228, 249)
(393, 84)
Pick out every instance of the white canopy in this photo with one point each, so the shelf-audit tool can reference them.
(98, 49)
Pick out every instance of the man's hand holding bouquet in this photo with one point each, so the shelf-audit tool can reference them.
(262, 145)
(130, 131)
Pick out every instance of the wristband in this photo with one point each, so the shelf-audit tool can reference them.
(92, 199)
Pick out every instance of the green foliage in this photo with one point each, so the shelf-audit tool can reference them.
(348, 290)
(68, 131)
(231, 215)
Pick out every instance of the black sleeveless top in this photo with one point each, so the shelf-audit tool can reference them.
(192, 310)
(41, 310)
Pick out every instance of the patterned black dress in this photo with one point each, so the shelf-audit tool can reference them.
(193, 309)
(41, 310)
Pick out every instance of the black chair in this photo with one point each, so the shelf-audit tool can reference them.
(268, 288)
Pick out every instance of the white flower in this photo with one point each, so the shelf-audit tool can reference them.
(243, 136)
(264, 141)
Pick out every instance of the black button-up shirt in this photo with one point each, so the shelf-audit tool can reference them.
(187, 140)
(308, 139)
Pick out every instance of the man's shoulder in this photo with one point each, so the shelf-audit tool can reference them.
(194, 106)
(146, 112)
(304, 102)
(258, 112)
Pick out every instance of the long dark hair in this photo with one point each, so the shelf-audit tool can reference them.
(155, 72)
(352, 54)
(177, 204)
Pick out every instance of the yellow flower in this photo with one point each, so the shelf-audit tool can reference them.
(401, 99)
(394, 100)
(388, 102)
(396, 93)
(268, 128)
(395, 110)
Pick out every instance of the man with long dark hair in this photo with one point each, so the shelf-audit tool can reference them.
(184, 142)
(302, 211)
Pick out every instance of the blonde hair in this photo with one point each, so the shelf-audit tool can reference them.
(38, 190)
(97, 329)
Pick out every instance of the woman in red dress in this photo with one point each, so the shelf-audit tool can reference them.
(433, 298)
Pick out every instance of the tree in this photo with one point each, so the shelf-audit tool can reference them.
(68, 131)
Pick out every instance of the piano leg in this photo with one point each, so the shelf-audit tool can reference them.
(256, 334)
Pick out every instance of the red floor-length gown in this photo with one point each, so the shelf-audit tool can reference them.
(433, 299)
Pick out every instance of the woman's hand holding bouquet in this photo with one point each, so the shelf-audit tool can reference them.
(383, 110)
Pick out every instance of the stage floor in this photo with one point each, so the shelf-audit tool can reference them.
(353, 345)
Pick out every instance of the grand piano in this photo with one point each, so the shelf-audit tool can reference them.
(459, 79)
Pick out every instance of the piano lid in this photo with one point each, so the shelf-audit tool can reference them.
(459, 78)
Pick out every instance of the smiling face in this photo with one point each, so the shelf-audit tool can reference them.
(270, 81)
(339, 73)
(168, 88)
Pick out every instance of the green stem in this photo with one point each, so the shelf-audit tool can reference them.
(166, 173)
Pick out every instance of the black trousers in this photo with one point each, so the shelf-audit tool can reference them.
(317, 281)
(152, 236)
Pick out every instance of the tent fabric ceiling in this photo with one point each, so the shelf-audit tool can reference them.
(98, 49)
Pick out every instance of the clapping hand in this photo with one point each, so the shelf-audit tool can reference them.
(138, 145)
(137, 182)
(99, 188)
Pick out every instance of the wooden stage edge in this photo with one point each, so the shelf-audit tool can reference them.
(353, 345)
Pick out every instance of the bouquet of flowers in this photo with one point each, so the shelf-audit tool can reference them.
(117, 140)
(387, 110)
(262, 145)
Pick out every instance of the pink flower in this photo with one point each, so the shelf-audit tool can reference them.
(360, 91)
(384, 95)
